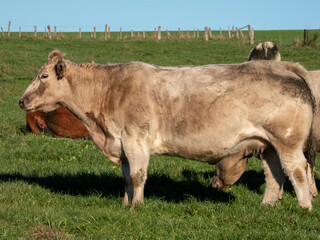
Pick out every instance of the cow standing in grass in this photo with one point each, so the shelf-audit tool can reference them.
(206, 113)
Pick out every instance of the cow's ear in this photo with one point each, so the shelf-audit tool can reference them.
(56, 54)
(60, 69)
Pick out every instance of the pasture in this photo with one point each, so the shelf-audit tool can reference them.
(66, 189)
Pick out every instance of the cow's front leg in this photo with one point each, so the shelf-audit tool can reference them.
(128, 188)
(134, 171)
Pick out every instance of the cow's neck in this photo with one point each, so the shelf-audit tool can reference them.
(88, 85)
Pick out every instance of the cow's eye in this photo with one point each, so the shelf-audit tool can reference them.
(44, 76)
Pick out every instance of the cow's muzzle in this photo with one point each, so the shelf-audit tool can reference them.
(21, 103)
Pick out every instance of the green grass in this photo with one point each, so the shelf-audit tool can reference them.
(66, 189)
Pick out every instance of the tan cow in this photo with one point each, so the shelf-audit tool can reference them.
(206, 113)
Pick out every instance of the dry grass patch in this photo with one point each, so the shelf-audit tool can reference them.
(41, 232)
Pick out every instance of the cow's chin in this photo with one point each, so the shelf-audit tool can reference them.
(42, 108)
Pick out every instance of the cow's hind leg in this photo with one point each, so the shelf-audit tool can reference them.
(134, 171)
(295, 166)
(274, 175)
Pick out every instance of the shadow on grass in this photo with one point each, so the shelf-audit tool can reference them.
(159, 186)
(252, 179)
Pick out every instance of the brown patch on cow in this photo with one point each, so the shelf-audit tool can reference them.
(181, 127)
(297, 174)
(139, 178)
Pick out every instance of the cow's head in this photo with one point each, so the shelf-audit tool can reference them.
(47, 88)
(265, 51)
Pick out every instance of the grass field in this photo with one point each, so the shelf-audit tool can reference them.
(66, 189)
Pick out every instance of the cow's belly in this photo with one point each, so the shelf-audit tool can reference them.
(212, 144)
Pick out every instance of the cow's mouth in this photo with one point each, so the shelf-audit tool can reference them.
(23, 106)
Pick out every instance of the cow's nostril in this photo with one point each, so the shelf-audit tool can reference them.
(21, 103)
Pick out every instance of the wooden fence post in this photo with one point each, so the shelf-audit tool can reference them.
(206, 34)
(80, 33)
(55, 32)
(35, 31)
(182, 35)
(120, 32)
(305, 35)
(144, 34)
(232, 32)
(105, 32)
(9, 29)
(237, 32)
(229, 34)
(2, 32)
(132, 33)
(49, 32)
(94, 33)
(19, 32)
(45, 32)
(168, 34)
(155, 33)
(210, 34)
(252, 36)
(249, 31)
(159, 33)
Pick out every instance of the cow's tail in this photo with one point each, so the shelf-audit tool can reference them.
(310, 154)
(310, 150)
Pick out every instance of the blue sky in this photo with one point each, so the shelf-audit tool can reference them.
(69, 15)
